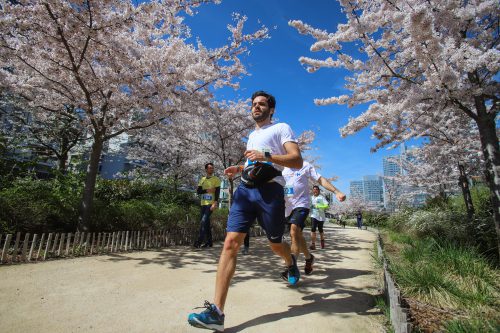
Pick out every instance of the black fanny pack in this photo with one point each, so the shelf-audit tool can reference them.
(257, 174)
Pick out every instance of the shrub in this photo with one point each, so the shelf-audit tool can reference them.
(375, 219)
(39, 206)
(438, 224)
(397, 221)
(35, 206)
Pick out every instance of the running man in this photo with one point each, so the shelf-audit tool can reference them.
(209, 189)
(297, 199)
(318, 205)
(270, 147)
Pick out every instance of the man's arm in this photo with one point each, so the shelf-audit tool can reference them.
(217, 193)
(292, 158)
(326, 184)
(216, 199)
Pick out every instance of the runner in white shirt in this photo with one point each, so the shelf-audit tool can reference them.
(297, 201)
(318, 207)
(270, 147)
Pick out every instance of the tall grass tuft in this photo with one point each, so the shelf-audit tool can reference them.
(472, 325)
(446, 275)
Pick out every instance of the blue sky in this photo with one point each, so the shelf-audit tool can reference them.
(274, 67)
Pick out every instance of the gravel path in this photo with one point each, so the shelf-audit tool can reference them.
(154, 291)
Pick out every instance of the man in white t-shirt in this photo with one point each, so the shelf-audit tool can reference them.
(298, 200)
(318, 206)
(270, 147)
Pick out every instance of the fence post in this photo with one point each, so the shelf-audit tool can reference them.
(40, 246)
(16, 247)
(109, 240)
(25, 246)
(33, 244)
(75, 241)
(82, 238)
(126, 240)
(61, 245)
(86, 246)
(47, 246)
(68, 243)
(56, 240)
(92, 245)
(6, 247)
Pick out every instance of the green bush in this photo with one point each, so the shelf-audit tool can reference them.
(437, 223)
(35, 206)
(397, 221)
(375, 219)
(447, 220)
(39, 206)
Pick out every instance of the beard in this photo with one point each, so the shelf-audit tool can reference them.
(263, 116)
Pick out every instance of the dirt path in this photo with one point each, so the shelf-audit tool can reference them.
(154, 291)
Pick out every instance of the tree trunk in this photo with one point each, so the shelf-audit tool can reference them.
(90, 180)
(62, 163)
(63, 157)
(464, 185)
(489, 144)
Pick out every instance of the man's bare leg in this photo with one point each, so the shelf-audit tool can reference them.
(227, 266)
(313, 238)
(298, 242)
(283, 250)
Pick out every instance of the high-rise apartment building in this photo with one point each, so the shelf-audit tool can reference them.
(369, 189)
(356, 189)
(373, 190)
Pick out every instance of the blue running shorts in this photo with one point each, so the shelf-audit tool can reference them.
(265, 203)
(298, 217)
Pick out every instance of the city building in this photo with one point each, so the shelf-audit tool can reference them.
(370, 189)
(356, 189)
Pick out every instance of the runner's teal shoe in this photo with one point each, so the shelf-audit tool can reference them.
(209, 318)
(293, 272)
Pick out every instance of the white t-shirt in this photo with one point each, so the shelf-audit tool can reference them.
(316, 213)
(271, 138)
(297, 193)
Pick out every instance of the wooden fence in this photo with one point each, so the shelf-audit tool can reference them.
(398, 314)
(38, 247)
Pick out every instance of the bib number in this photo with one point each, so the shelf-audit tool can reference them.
(288, 191)
(207, 197)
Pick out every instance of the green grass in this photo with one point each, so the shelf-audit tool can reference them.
(448, 276)
(382, 305)
(472, 326)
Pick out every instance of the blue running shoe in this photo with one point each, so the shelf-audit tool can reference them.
(209, 318)
(293, 272)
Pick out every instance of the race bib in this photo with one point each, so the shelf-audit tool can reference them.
(207, 196)
(315, 212)
(288, 191)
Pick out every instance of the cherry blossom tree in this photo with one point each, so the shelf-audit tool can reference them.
(159, 153)
(126, 66)
(211, 133)
(420, 63)
(434, 168)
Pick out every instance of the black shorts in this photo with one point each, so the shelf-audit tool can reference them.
(298, 217)
(317, 224)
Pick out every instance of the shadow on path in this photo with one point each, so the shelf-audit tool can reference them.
(261, 262)
(353, 302)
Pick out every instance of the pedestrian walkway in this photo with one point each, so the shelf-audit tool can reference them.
(154, 291)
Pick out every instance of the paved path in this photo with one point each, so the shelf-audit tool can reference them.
(154, 291)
